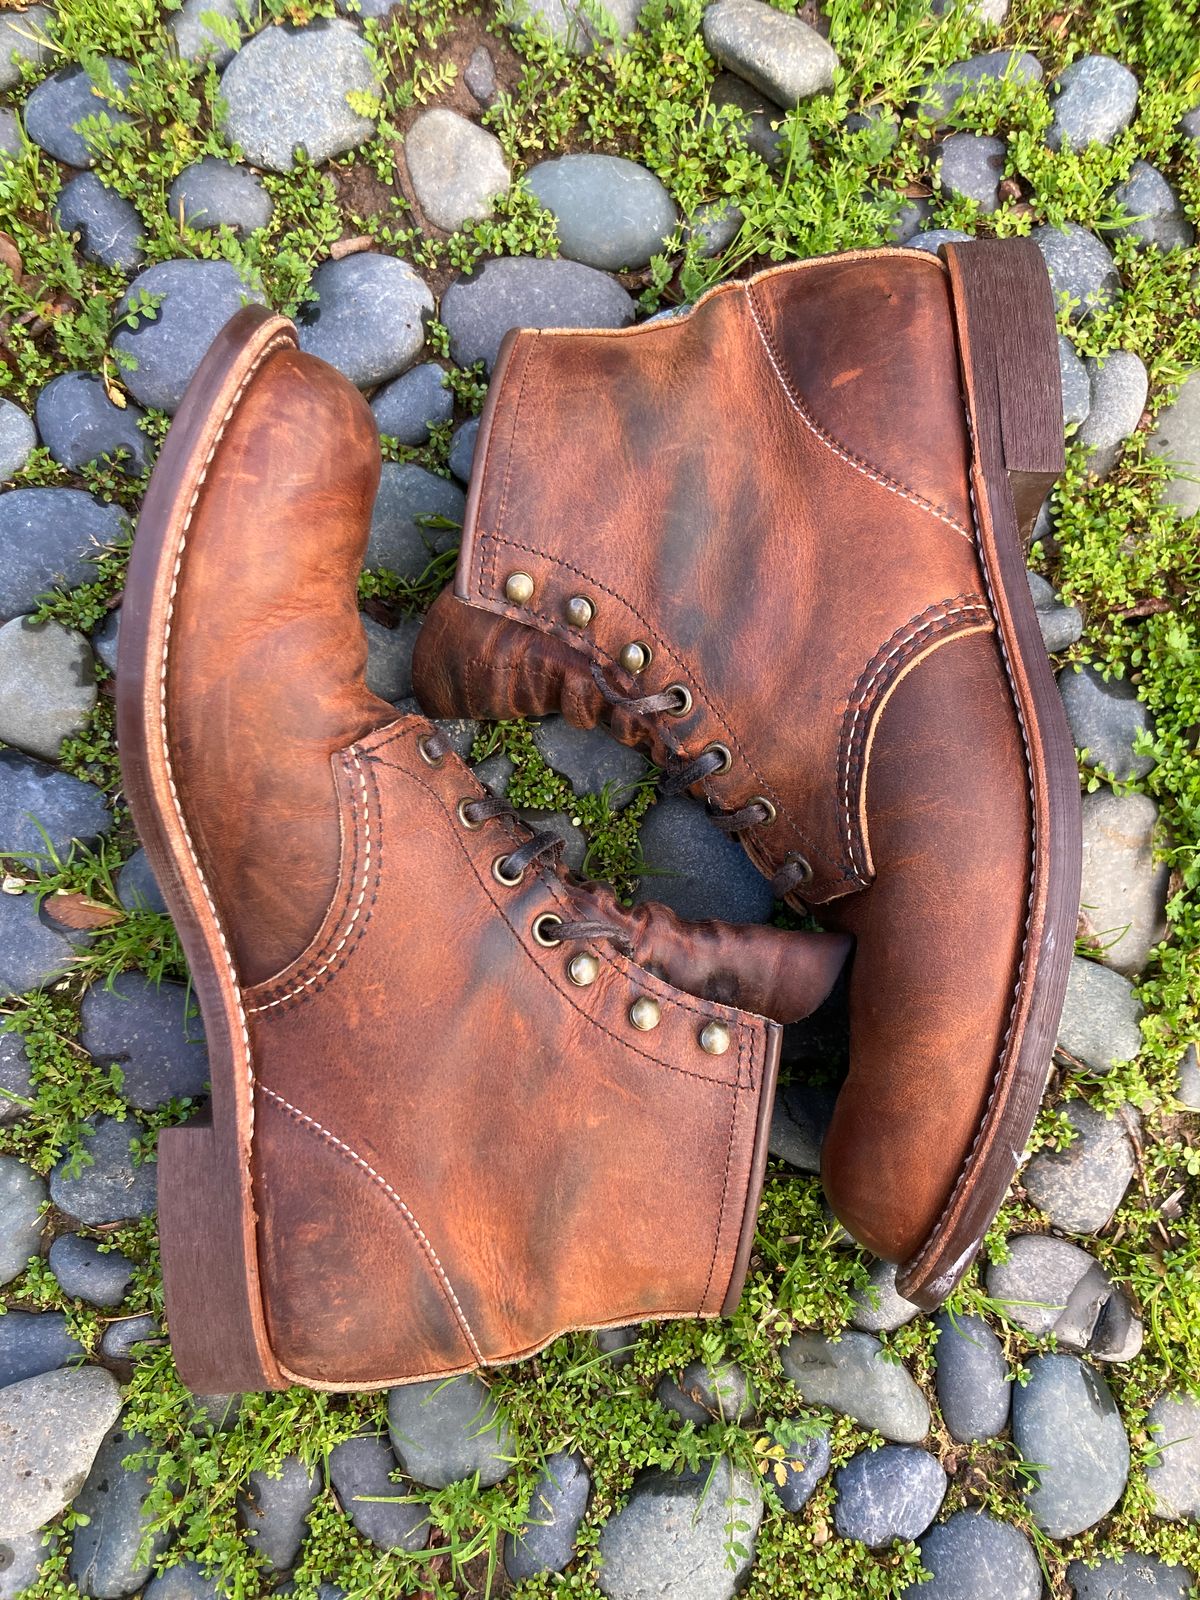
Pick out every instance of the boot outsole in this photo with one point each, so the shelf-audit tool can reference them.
(1008, 356)
(206, 1207)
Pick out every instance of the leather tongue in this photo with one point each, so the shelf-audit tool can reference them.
(769, 971)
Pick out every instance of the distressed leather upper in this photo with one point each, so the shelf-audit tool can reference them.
(771, 494)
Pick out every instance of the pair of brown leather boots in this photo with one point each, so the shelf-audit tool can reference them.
(460, 1102)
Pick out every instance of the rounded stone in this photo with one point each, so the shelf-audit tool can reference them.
(1076, 384)
(973, 1388)
(196, 39)
(705, 1393)
(573, 23)
(852, 1375)
(1068, 1430)
(479, 75)
(106, 226)
(182, 1582)
(17, 438)
(972, 1555)
(219, 194)
(195, 301)
(527, 293)
(113, 1551)
(932, 239)
(321, 64)
(1105, 718)
(879, 1307)
(1124, 889)
(62, 101)
(145, 1028)
(714, 227)
(39, 803)
(48, 538)
(1119, 385)
(1079, 1189)
(12, 143)
(85, 1272)
(617, 1344)
(462, 450)
(274, 1511)
(112, 1188)
(447, 1431)
(21, 1559)
(23, 37)
(886, 1494)
(757, 118)
(574, 841)
(772, 50)
(1061, 625)
(16, 1080)
(609, 212)
(32, 1342)
(802, 1466)
(681, 1524)
(970, 167)
(121, 1338)
(360, 1470)
(32, 954)
(23, 1197)
(1049, 1285)
(1129, 1577)
(47, 685)
(366, 317)
(51, 1427)
(1174, 1422)
(1176, 438)
(458, 169)
(389, 671)
(79, 424)
(106, 640)
(1101, 1018)
(590, 760)
(1080, 266)
(1093, 101)
(1157, 218)
(417, 515)
(408, 407)
(137, 887)
(941, 95)
(799, 1122)
(696, 870)
(557, 1505)
(1187, 1090)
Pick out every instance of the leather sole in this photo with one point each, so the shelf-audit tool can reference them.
(206, 1208)
(1008, 356)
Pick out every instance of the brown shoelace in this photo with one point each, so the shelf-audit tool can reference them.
(539, 846)
(682, 774)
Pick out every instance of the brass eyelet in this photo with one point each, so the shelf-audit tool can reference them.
(423, 744)
(540, 924)
(467, 800)
(723, 751)
(580, 611)
(768, 807)
(510, 881)
(804, 867)
(685, 699)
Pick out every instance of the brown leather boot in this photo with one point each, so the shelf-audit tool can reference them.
(459, 1104)
(778, 540)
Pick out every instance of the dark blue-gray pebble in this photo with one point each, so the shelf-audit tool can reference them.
(971, 1555)
(108, 226)
(112, 1188)
(137, 887)
(62, 101)
(891, 1493)
(85, 1272)
(360, 1470)
(972, 1378)
(410, 405)
(32, 953)
(79, 423)
(32, 1342)
(146, 1029)
(696, 870)
(417, 515)
(49, 538)
(112, 1548)
(804, 1465)
(35, 796)
(214, 194)
(547, 1541)
(462, 450)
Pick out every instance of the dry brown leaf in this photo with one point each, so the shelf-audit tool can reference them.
(78, 912)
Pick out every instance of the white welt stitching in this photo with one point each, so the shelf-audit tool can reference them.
(942, 615)
(422, 1237)
(267, 349)
(831, 443)
(358, 904)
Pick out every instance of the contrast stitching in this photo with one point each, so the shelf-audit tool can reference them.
(940, 614)
(828, 440)
(644, 977)
(333, 955)
(422, 1238)
(278, 342)
(573, 638)
(939, 1225)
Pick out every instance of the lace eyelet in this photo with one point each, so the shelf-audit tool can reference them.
(467, 800)
(803, 866)
(540, 925)
(498, 872)
(423, 750)
(685, 699)
(769, 808)
(723, 751)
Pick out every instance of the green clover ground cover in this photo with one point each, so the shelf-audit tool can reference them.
(1132, 567)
